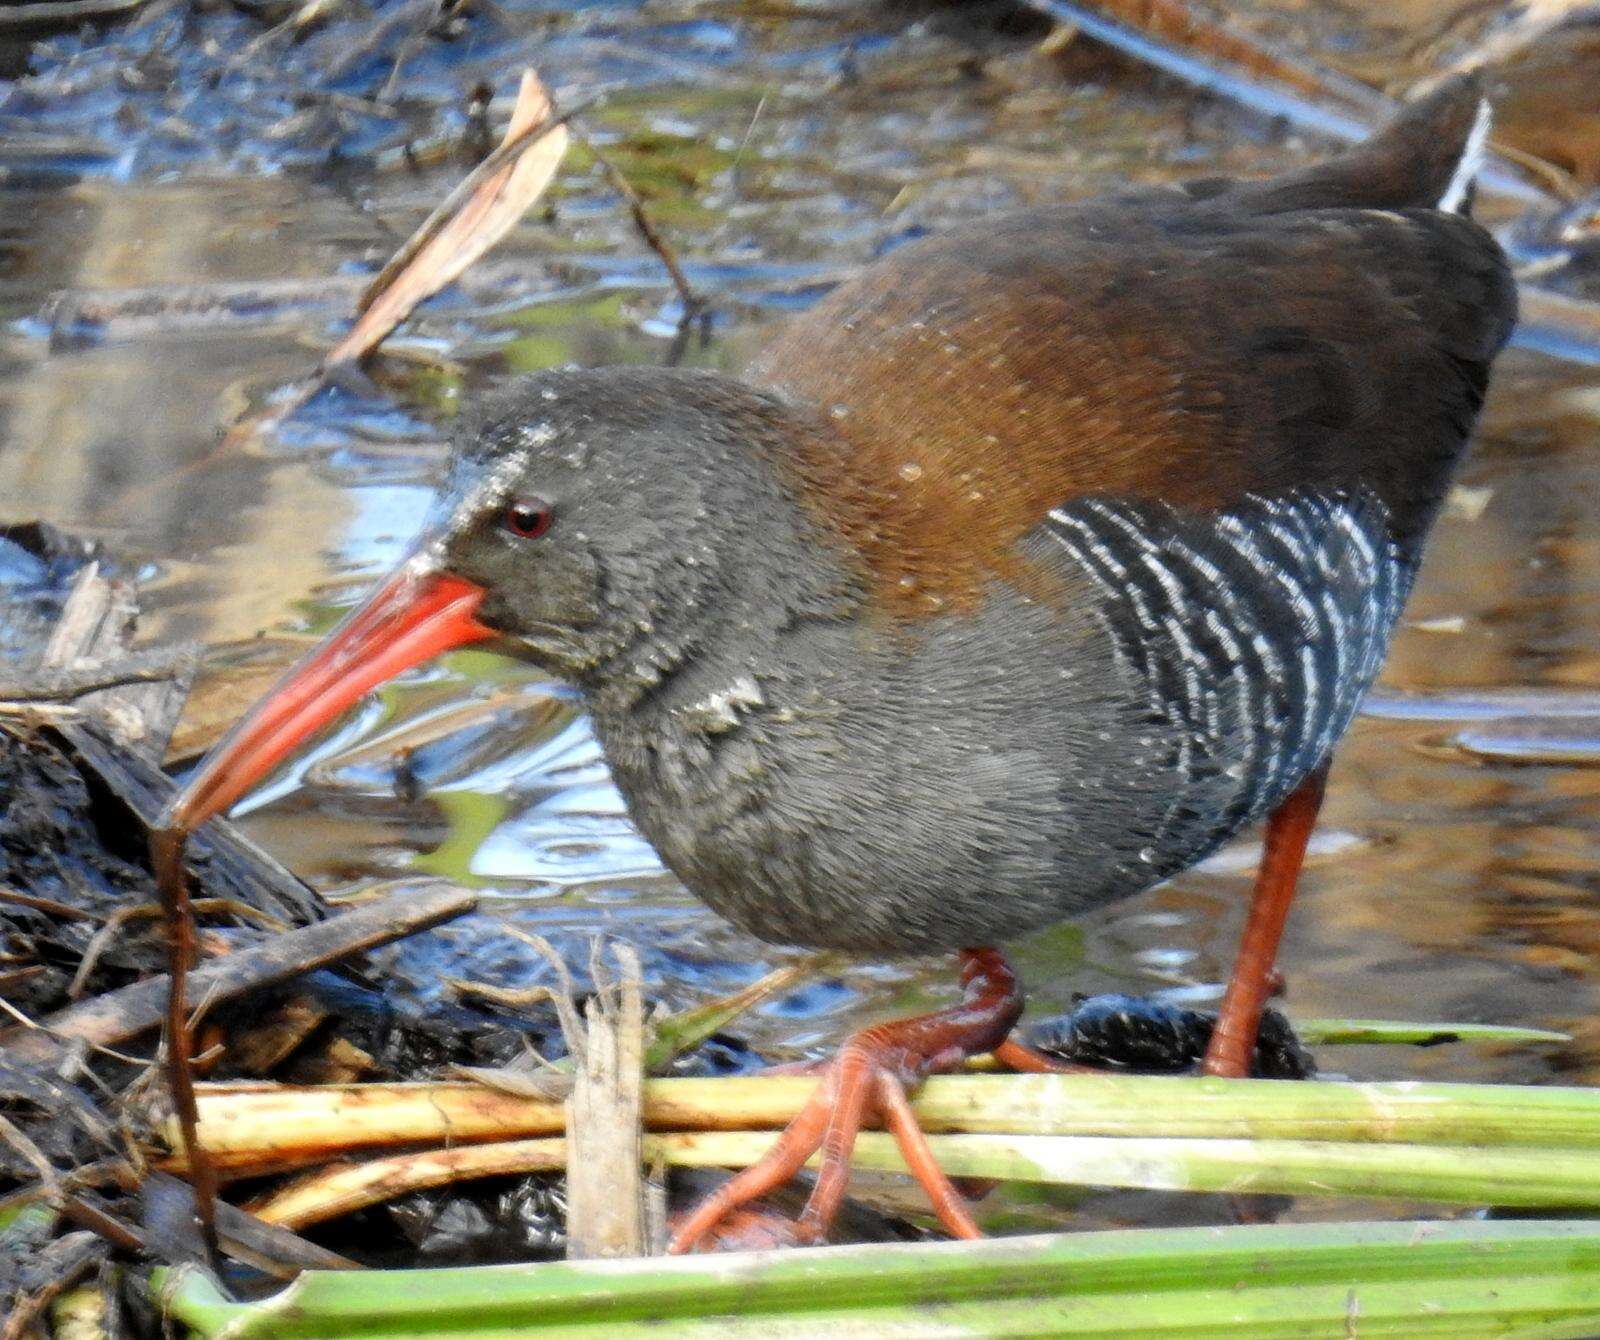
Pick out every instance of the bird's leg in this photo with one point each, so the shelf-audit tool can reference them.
(869, 1078)
(1233, 1040)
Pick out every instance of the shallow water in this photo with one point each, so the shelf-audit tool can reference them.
(173, 250)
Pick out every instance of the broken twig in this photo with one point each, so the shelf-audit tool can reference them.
(60, 684)
(109, 1019)
(692, 302)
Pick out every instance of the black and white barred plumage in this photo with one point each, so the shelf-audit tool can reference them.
(1254, 631)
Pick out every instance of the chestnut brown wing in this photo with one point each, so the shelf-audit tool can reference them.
(1150, 347)
(1189, 347)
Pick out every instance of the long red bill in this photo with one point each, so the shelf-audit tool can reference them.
(409, 619)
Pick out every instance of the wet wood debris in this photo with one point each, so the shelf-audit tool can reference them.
(82, 956)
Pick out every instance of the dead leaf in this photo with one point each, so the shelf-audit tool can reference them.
(482, 221)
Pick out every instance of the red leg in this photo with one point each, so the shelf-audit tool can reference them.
(1026, 1060)
(1233, 1041)
(869, 1077)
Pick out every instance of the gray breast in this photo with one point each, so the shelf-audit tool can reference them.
(842, 785)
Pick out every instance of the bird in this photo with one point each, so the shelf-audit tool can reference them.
(1022, 570)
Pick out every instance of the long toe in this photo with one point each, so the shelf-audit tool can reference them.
(748, 1228)
(780, 1163)
(948, 1203)
(869, 1078)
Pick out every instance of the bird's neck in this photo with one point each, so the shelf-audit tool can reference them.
(688, 718)
(656, 677)
(703, 667)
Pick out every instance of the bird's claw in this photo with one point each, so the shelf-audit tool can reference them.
(750, 1228)
(868, 1079)
(861, 1083)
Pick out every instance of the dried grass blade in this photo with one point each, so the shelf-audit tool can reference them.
(1520, 27)
(420, 270)
(1167, 36)
(347, 1186)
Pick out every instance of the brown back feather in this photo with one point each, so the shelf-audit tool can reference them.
(1151, 345)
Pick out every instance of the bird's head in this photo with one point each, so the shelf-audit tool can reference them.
(591, 519)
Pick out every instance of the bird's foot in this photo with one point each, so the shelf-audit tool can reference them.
(869, 1078)
(745, 1228)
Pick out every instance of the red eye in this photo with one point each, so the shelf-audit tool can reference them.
(527, 518)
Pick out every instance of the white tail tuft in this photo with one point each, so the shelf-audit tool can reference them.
(1471, 160)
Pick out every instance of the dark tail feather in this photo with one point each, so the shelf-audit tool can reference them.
(1425, 158)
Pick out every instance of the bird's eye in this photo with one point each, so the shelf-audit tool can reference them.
(527, 518)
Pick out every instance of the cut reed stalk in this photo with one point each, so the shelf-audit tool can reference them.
(285, 1127)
